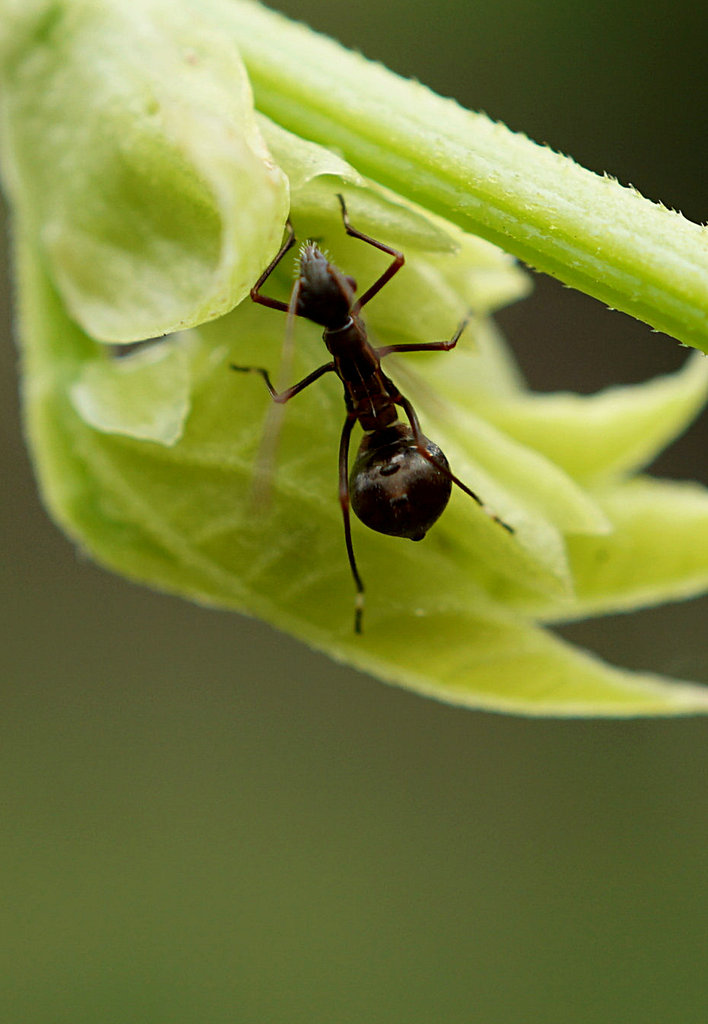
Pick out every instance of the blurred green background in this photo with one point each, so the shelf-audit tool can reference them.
(204, 822)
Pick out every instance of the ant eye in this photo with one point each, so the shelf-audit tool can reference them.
(350, 281)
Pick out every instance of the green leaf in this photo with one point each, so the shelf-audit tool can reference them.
(146, 396)
(179, 517)
(506, 666)
(159, 205)
(614, 432)
(656, 551)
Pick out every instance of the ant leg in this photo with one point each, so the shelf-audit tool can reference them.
(284, 396)
(420, 444)
(344, 502)
(426, 346)
(264, 300)
(260, 488)
(398, 259)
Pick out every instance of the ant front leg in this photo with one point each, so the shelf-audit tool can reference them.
(264, 300)
(345, 504)
(398, 258)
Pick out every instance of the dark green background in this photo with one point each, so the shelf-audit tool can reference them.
(204, 822)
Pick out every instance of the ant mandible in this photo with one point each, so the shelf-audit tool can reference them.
(401, 481)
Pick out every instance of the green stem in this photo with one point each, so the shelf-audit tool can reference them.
(587, 230)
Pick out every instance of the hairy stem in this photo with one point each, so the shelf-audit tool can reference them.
(587, 230)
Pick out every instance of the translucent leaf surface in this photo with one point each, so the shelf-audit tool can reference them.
(614, 431)
(146, 396)
(657, 550)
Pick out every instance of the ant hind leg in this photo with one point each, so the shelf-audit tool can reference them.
(420, 443)
(345, 505)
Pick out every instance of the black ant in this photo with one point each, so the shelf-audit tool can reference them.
(401, 481)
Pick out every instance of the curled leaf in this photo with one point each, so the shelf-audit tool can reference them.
(155, 200)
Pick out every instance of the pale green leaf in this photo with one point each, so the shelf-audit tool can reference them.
(159, 206)
(146, 396)
(620, 429)
(657, 551)
(508, 666)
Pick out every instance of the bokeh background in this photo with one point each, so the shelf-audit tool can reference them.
(204, 822)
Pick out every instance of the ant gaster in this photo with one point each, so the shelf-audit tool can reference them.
(400, 482)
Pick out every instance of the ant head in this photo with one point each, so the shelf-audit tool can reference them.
(325, 294)
(394, 488)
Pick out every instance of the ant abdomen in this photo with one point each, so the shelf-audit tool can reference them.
(394, 488)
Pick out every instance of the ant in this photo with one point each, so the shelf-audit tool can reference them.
(401, 481)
